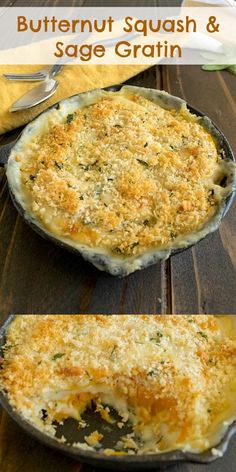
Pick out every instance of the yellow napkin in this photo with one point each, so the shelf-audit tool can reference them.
(72, 80)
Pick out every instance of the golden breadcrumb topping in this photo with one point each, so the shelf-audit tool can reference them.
(124, 175)
(172, 377)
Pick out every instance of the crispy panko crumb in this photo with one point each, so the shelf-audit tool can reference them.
(124, 175)
(173, 377)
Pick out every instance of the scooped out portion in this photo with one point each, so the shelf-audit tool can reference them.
(171, 378)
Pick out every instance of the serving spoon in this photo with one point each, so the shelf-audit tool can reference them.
(38, 94)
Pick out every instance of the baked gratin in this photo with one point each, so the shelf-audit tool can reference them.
(171, 377)
(124, 177)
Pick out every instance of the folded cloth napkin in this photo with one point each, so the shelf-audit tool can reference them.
(72, 79)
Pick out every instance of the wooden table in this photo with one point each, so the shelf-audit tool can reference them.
(38, 277)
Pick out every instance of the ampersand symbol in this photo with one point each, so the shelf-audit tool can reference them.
(211, 27)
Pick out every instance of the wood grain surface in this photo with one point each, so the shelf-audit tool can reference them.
(38, 277)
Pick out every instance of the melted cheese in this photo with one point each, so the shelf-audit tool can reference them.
(122, 175)
(173, 377)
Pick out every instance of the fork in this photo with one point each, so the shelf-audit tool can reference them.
(36, 76)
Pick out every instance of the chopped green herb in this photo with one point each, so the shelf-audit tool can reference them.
(118, 126)
(117, 250)
(173, 235)
(134, 245)
(70, 118)
(212, 362)
(145, 145)
(94, 163)
(88, 166)
(81, 197)
(150, 222)
(44, 414)
(159, 440)
(144, 163)
(157, 337)
(57, 356)
(191, 321)
(32, 177)
(98, 189)
(203, 335)
(88, 374)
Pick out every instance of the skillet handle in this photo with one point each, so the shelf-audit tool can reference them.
(5, 150)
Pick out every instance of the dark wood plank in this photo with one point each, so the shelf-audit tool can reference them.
(203, 280)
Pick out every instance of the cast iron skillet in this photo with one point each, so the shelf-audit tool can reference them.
(126, 462)
(222, 145)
